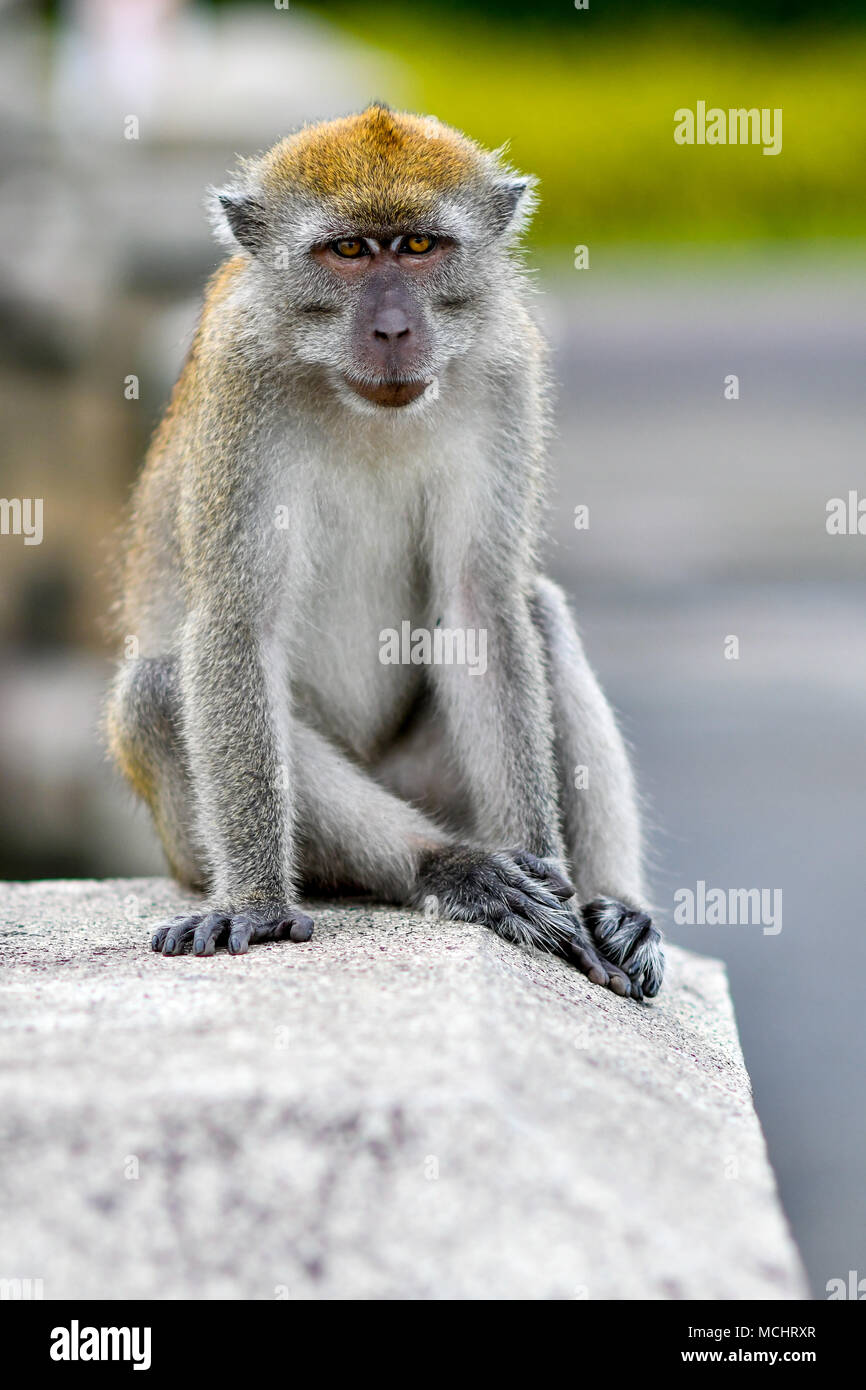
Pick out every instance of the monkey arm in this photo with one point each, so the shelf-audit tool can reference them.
(500, 726)
(233, 679)
(599, 806)
(499, 722)
(237, 730)
(235, 726)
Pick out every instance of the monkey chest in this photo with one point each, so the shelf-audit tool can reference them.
(365, 582)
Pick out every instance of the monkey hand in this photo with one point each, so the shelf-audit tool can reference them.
(626, 936)
(237, 930)
(521, 897)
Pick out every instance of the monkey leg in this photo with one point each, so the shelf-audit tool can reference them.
(145, 739)
(356, 835)
(353, 834)
(598, 804)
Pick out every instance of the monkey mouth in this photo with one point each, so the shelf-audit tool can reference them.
(391, 393)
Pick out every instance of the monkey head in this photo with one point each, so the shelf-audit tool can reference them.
(376, 250)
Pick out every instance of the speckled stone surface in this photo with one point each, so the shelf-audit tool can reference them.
(401, 1108)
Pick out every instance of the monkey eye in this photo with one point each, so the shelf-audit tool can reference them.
(350, 248)
(417, 245)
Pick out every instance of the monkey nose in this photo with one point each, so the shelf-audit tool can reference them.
(391, 324)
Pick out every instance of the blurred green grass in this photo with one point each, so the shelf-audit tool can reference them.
(592, 115)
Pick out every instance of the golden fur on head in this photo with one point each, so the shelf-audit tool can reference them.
(375, 166)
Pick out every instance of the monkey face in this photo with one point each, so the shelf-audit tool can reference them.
(379, 251)
(387, 286)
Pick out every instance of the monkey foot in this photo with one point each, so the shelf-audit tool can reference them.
(515, 893)
(203, 932)
(626, 937)
(523, 898)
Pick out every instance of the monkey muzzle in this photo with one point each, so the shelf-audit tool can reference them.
(389, 393)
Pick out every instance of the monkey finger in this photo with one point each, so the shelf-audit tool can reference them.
(178, 935)
(620, 983)
(529, 904)
(242, 930)
(636, 990)
(212, 931)
(544, 921)
(543, 903)
(300, 927)
(602, 972)
(588, 962)
(545, 870)
(294, 926)
(157, 941)
(534, 887)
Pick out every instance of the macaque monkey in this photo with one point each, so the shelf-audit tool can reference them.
(355, 449)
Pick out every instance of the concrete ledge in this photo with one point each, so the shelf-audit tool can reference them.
(399, 1109)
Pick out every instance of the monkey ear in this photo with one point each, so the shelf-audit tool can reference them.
(514, 201)
(238, 219)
